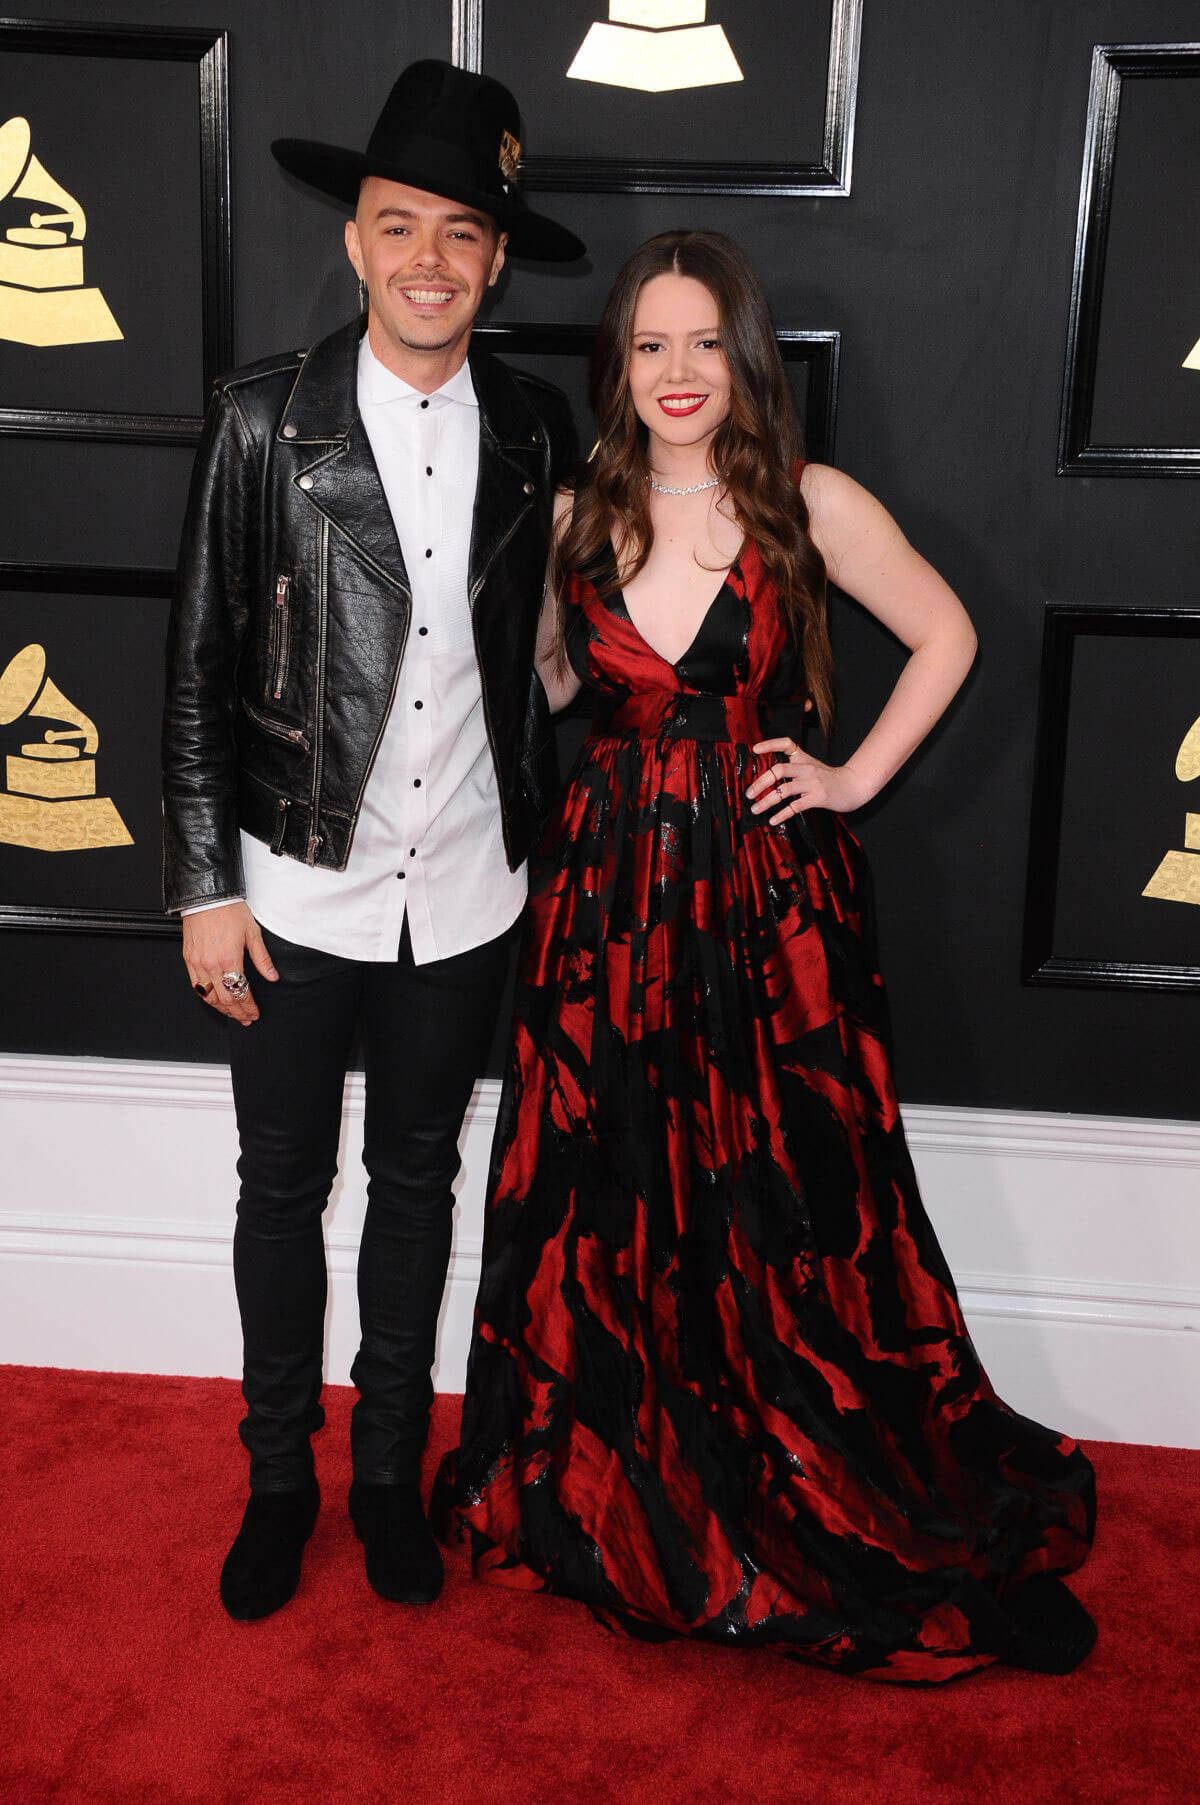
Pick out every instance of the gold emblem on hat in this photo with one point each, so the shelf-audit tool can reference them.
(510, 156)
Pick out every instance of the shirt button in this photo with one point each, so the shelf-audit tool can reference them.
(412, 852)
(416, 783)
(429, 469)
(429, 551)
(306, 482)
(422, 631)
(399, 874)
(424, 404)
(289, 431)
(418, 704)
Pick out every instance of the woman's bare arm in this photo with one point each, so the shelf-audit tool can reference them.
(868, 556)
(561, 685)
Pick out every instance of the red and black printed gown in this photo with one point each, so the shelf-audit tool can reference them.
(719, 1382)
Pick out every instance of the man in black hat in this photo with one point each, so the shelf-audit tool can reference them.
(355, 757)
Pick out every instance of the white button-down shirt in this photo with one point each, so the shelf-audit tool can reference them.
(428, 840)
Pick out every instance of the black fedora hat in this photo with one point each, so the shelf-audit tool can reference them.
(449, 132)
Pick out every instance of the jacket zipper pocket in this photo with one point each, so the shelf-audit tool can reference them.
(281, 636)
(292, 734)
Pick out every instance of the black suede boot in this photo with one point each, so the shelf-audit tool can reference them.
(402, 1559)
(262, 1569)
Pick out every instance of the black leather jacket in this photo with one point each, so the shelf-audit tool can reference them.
(292, 608)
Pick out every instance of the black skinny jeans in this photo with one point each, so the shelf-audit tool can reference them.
(425, 1034)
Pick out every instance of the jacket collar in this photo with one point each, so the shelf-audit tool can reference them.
(505, 413)
(323, 404)
(511, 442)
(342, 481)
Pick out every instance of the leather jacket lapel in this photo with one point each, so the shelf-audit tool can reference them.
(501, 503)
(346, 486)
(343, 483)
(511, 453)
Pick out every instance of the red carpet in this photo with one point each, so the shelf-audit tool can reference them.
(124, 1680)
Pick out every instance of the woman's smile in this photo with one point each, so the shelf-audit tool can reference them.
(681, 404)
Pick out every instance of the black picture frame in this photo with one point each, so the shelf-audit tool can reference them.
(1079, 452)
(208, 50)
(819, 350)
(101, 582)
(828, 177)
(1043, 959)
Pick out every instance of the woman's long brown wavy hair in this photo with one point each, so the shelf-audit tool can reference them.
(753, 450)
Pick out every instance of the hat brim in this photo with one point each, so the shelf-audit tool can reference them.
(339, 173)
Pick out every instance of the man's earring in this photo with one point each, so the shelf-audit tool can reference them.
(362, 295)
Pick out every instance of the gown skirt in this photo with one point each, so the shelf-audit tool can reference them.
(720, 1384)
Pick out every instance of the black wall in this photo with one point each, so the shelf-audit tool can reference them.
(948, 273)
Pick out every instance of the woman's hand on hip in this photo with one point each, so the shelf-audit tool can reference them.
(796, 781)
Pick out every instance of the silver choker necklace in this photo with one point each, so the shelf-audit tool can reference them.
(691, 488)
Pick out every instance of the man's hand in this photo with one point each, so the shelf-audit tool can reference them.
(216, 941)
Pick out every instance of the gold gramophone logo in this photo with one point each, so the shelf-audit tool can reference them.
(43, 298)
(657, 46)
(48, 800)
(1178, 876)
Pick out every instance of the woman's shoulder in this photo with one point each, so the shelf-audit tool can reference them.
(830, 492)
(810, 476)
(841, 513)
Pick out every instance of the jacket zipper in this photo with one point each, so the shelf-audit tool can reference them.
(280, 636)
(277, 839)
(491, 738)
(276, 727)
(487, 714)
(477, 585)
(314, 838)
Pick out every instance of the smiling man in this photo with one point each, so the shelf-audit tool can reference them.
(355, 759)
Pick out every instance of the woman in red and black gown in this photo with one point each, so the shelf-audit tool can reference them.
(720, 1384)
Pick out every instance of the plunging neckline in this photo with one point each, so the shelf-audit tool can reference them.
(674, 663)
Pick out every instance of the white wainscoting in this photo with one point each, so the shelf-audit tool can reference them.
(1075, 1240)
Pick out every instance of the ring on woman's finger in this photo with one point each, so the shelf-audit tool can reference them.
(235, 982)
(202, 990)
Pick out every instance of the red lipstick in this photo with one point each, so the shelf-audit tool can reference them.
(681, 413)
